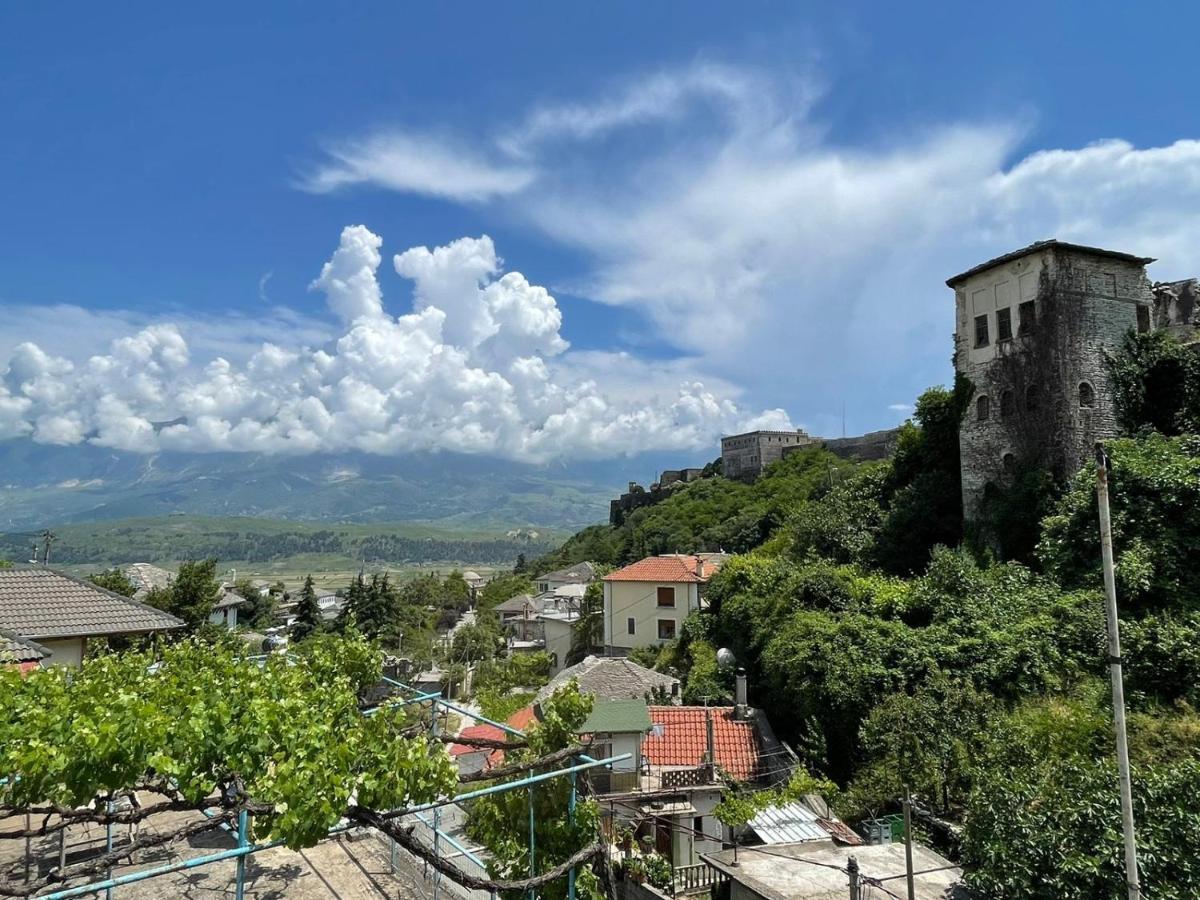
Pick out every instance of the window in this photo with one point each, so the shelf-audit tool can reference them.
(631, 624)
(1010, 463)
(1031, 398)
(1026, 317)
(697, 822)
(981, 331)
(1004, 324)
(1087, 395)
(983, 408)
(666, 596)
(666, 629)
(1006, 404)
(1143, 319)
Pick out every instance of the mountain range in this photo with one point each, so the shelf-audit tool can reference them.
(42, 486)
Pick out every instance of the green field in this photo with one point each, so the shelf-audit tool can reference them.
(275, 549)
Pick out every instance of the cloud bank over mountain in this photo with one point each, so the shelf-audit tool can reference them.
(716, 200)
(477, 366)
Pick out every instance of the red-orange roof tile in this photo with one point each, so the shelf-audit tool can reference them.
(684, 739)
(670, 568)
(490, 732)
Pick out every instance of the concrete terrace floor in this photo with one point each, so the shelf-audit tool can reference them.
(344, 867)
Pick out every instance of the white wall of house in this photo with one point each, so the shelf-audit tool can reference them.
(636, 613)
(558, 640)
(688, 845)
(64, 651)
(226, 616)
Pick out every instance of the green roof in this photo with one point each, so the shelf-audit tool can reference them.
(618, 717)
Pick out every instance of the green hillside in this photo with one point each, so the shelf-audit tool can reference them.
(258, 541)
(894, 648)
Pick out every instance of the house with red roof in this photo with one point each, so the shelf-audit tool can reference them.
(645, 603)
(669, 800)
(471, 758)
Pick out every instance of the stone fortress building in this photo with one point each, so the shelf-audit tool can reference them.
(1033, 329)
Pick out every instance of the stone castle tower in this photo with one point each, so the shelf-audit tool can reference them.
(1032, 329)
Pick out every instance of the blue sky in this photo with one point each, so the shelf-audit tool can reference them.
(759, 202)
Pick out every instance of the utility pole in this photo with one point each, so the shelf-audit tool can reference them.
(1114, 668)
(908, 866)
(855, 884)
(48, 538)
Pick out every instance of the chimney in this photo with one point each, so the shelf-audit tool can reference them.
(699, 566)
(739, 694)
(708, 723)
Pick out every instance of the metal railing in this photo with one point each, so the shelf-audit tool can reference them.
(698, 877)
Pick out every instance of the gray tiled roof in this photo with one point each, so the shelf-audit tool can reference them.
(39, 603)
(13, 650)
(580, 573)
(611, 678)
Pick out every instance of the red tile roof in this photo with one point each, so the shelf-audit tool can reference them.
(670, 568)
(519, 720)
(684, 739)
(490, 732)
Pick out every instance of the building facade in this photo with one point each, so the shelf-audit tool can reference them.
(645, 603)
(744, 456)
(1032, 331)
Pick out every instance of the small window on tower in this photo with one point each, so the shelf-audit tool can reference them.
(1143, 319)
(981, 331)
(1004, 324)
(983, 408)
(1010, 463)
(1087, 396)
(1026, 317)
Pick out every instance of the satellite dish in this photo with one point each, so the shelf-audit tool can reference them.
(725, 658)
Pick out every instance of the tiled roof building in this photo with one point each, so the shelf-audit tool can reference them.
(671, 567)
(612, 678)
(23, 654)
(680, 738)
(63, 612)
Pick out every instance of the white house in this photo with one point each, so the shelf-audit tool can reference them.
(645, 603)
(580, 573)
(225, 610)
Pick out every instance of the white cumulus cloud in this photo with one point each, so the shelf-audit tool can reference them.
(476, 365)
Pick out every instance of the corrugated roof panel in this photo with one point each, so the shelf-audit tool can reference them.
(788, 824)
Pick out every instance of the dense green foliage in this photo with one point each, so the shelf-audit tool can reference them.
(1045, 818)
(891, 653)
(114, 580)
(1156, 384)
(1155, 494)
(711, 514)
(288, 732)
(501, 822)
(191, 594)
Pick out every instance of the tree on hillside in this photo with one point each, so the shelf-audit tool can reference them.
(501, 821)
(114, 580)
(1154, 485)
(259, 611)
(308, 612)
(520, 567)
(192, 594)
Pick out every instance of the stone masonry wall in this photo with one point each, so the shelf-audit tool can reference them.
(1085, 304)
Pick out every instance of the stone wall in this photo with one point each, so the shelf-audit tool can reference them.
(744, 456)
(1043, 398)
